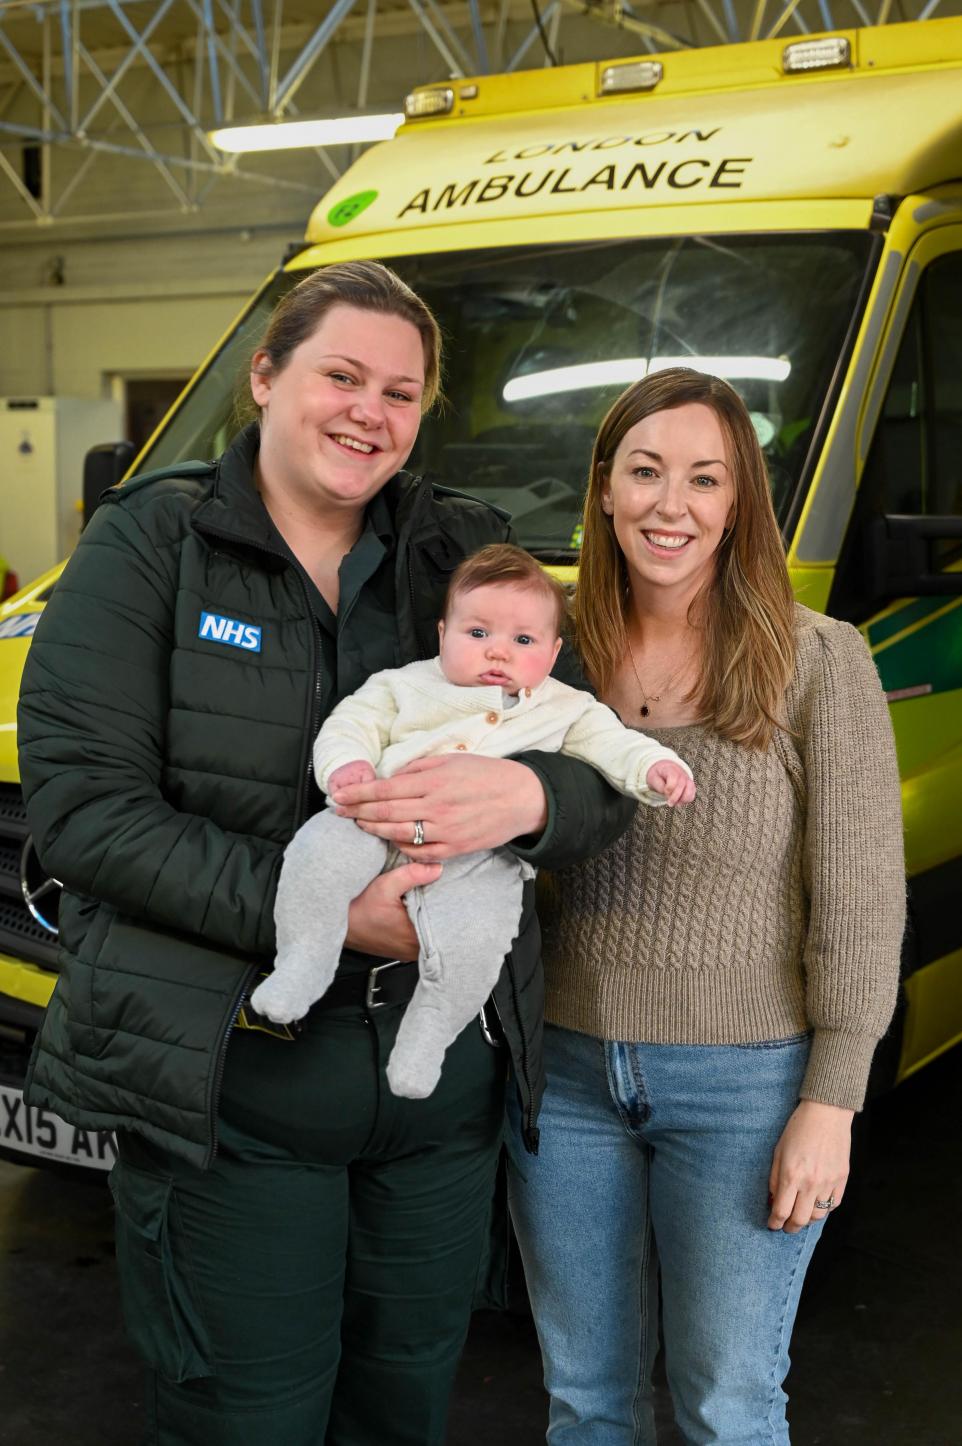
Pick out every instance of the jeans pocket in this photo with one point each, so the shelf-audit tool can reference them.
(792, 1040)
(160, 1311)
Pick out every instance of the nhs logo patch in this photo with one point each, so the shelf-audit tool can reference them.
(216, 629)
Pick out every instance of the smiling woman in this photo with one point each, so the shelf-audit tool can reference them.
(166, 768)
(679, 524)
(671, 497)
(334, 429)
(717, 980)
(352, 419)
(340, 389)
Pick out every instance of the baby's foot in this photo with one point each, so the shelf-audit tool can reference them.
(281, 1000)
(412, 1077)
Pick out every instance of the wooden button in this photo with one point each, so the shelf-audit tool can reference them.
(527, 692)
(491, 718)
(461, 747)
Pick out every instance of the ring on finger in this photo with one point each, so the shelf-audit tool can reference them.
(418, 838)
(828, 1204)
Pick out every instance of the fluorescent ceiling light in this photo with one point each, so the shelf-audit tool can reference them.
(617, 373)
(732, 368)
(285, 135)
(622, 371)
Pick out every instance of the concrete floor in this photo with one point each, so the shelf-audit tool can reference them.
(877, 1352)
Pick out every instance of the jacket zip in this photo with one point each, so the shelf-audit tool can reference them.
(299, 811)
(314, 720)
(238, 999)
(414, 607)
(301, 804)
(531, 1134)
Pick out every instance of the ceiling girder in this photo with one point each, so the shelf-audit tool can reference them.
(213, 60)
(312, 50)
(127, 117)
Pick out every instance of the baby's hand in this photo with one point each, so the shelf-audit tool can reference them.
(360, 771)
(671, 780)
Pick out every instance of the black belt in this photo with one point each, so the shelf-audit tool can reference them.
(390, 983)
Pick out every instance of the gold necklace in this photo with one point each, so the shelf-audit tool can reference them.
(647, 697)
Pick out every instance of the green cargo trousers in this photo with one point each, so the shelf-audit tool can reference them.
(313, 1287)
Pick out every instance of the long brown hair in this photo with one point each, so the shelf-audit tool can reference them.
(745, 612)
(366, 285)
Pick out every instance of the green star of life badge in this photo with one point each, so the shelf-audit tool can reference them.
(350, 208)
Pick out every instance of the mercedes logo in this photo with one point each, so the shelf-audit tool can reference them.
(41, 893)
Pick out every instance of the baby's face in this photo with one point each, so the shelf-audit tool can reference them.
(499, 635)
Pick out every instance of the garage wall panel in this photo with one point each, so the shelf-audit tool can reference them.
(230, 257)
(23, 351)
(74, 313)
(91, 343)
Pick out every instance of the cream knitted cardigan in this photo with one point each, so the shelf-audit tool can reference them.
(414, 712)
(774, 904)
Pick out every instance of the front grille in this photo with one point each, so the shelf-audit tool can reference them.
(13, 815)
(20, 934)
(9, 859)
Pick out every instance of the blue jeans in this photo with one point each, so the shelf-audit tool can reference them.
(654, 1160)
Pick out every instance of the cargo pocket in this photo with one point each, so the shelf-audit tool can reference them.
(155, 1288)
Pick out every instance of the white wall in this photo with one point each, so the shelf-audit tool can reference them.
(92, 342)
(23, 350)
(142, 305)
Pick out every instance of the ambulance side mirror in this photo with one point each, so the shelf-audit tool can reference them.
(900, 562)
(104, 465)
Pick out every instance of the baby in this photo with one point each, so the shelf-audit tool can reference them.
(489, 692)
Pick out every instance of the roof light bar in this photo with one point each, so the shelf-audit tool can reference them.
(420, 103)
(832, 52)
(633, 76)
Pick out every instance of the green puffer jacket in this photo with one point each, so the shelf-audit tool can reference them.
(164, 773)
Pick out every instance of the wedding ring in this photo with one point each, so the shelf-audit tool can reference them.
(418, 838)
(828, 1204)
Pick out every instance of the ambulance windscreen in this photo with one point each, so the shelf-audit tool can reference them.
(540, 340)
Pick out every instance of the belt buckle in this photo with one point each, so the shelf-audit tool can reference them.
(370, 1001)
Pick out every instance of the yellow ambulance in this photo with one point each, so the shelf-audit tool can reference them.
(788, 215)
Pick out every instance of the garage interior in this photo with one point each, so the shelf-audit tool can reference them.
(128, 243)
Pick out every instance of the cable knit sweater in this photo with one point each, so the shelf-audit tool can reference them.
(773, 904)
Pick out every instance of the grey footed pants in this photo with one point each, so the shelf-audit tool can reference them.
(466, 922)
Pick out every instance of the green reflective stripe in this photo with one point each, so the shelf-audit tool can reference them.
(901, 617)
(929, 654)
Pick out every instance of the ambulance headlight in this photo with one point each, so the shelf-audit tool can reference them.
(833, 52)
(421, 103)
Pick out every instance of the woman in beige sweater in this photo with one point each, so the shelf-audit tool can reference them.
(718, 979)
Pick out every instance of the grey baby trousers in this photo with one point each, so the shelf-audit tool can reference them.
(465, 921)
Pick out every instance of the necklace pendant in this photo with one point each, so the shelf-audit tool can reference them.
(644, 710)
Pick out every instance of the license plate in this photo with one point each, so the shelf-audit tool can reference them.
(41, 1134)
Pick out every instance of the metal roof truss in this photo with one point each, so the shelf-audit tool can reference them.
(73, 71)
